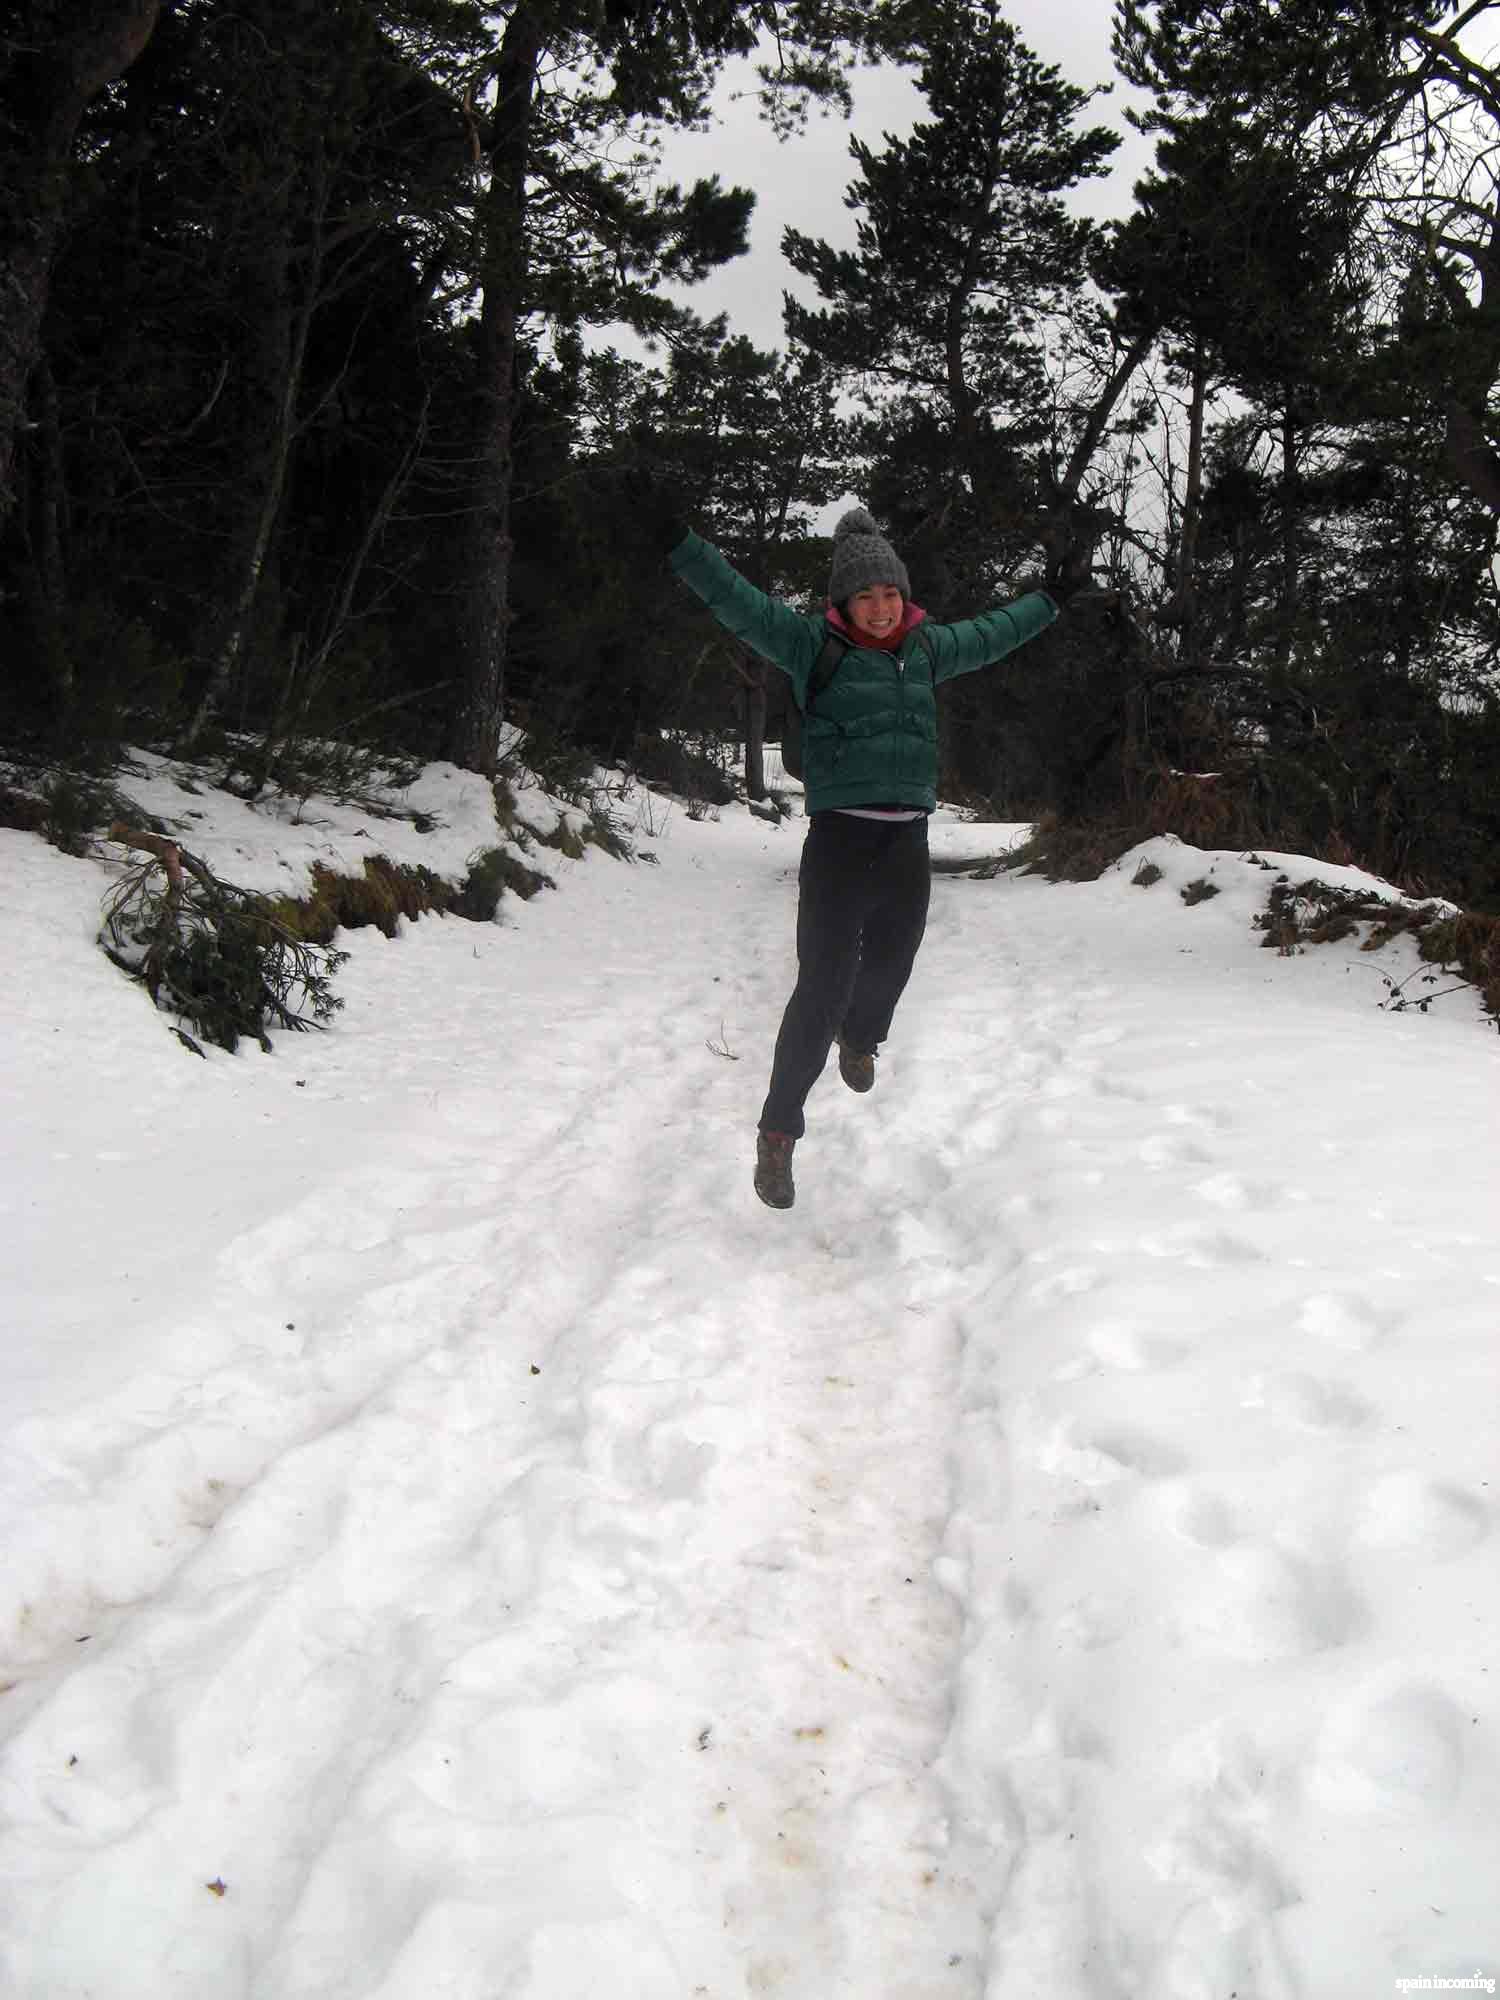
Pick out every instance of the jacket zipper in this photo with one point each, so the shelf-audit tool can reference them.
(901, 715)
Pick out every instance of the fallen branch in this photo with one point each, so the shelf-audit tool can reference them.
(210, 952)
(721, 1046)
(167, 852)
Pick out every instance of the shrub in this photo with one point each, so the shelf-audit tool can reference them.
(604, 833)
(353, 773)
(559, 767)
(65, 806)
(667, 760)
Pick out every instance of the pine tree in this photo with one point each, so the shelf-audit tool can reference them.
(1240, 257)
(1393, 104)
(259, 197)
(565, 83)
(967, 260)
(56, 56)
(758, 436)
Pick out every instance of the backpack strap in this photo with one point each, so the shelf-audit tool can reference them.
(825, 666)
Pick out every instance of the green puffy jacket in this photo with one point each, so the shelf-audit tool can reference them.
(872, 736)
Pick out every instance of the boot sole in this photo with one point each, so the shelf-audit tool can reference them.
(773, 1200)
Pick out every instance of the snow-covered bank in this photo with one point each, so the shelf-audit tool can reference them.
(458, 1542)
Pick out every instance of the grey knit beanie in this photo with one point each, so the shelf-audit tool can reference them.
(861, 557)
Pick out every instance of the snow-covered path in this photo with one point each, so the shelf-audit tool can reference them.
(459, 1543)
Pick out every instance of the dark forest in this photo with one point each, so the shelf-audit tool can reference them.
(315, 419)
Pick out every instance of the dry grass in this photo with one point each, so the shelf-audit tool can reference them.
(1203, 809)
(1072, 851)
(490, 875)
(386, 891)
(567, 840)
(23, 811)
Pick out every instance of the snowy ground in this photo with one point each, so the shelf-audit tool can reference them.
(458, 1543)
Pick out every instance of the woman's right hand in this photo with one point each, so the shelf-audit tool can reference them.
(656, 505)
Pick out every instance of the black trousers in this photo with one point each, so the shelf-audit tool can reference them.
(861, 912)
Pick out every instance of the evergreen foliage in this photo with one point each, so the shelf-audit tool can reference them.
(310, 431)
(967, 260)
(215, 955)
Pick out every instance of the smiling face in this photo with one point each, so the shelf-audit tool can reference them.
(878, 611)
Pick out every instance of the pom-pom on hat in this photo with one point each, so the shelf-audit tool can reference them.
(861, 557)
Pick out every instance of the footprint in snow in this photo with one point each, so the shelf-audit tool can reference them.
(1068, 1083)
(1062, 1285)
(1196, 1515)
(1225, 1941)
(1099, 1458)
(1305, 1402)
(930, 1264)
(1344, 1319)
(1167, 1149)
(677, 1463)
(1259, 1603)
(1425, 1516)
(1214, 1847)
(985, 1135)
(1131, 1348)
(1199, 1116)
(1092, 1622)
(1228, 1191)
(1201, 1249)
(1108, 1084)
(1395, 1750)
(1100, 1038)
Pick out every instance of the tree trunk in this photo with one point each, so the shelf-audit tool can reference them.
(1072, 532)
(69, 51)
(1180, 610)
(1286, 610)
(484, 606)
(755, 730)
(1099, 416)
(42, 528)
(280, 337)
(1472, 456)
(307, 670)
(1192, 502)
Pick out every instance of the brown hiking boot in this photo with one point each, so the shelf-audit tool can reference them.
(773, 1169)
(857, 1067)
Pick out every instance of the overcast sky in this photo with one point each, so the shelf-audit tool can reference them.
(802, 182)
